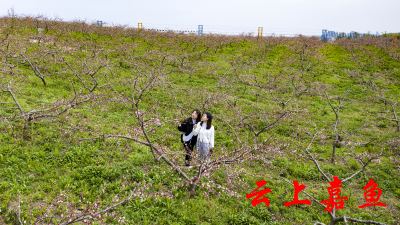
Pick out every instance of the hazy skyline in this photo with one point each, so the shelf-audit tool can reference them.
(280, 17)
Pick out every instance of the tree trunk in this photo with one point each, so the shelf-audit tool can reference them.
(43, 80)
(192, 189)
(26, 134)
(333, 152)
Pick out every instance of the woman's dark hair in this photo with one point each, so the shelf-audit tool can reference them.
(198, 119)
(209, 116)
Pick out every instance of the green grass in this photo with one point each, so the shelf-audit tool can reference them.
(55, 160)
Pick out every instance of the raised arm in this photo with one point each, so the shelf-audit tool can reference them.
(181, 127)
(197, 130)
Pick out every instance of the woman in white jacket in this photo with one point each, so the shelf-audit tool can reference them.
(205, 136)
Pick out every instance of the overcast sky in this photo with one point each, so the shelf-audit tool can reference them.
(233, 16)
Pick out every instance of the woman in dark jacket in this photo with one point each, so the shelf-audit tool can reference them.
(187, 138)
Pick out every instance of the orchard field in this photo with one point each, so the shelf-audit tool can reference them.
(89, 116)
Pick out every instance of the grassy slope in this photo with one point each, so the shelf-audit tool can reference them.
(39, 167)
